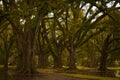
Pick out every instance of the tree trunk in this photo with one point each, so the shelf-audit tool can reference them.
(6, 55)
(25, 57)
(6, 61)
(72, 62)
(72, 54)
(20, 45)
(104, 53)
(103, 60)
(26, 48)
(57, 61)
(43, 60)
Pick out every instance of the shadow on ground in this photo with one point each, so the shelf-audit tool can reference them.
(41, 76)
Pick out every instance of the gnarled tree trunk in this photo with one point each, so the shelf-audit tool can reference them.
(25, 49)
(72, 62)
(43, 60)
(57, 60)
(103, 60)
(104, 53)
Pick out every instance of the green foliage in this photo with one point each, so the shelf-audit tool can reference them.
(59, 28)
(90, 77)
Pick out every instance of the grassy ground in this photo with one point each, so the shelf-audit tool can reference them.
(114, 68)
(74, 73)
(90, 77)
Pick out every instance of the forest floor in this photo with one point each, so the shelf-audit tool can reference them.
(60, 74)
(83, 74)
(43, 74)
(48, 76)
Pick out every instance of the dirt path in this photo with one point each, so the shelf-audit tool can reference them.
(41, 76)
(45, 74)
(49, 77)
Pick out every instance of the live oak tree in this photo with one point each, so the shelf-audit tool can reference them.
(25, 16)
(77, 33)
(73, 24)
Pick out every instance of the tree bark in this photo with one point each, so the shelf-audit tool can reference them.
(25, 49)
(72, 62)
(43, 60)
(72, 54)
(57, 61)
(103, 60)
(6, 61)
(104, 53)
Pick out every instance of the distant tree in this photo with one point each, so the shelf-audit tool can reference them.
(6, 45)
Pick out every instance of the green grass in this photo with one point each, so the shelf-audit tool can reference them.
(52, 71)
(114, 68)
(92, 77)
(89, 77)
(1, 66)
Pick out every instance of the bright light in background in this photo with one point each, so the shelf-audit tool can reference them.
(50, 14)
(22, 21)
(1, 2)
(1, 5)
(110, 4)
(33, 16)
(100, 14)
(93, 8)
(86, 7)
(118, 5)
